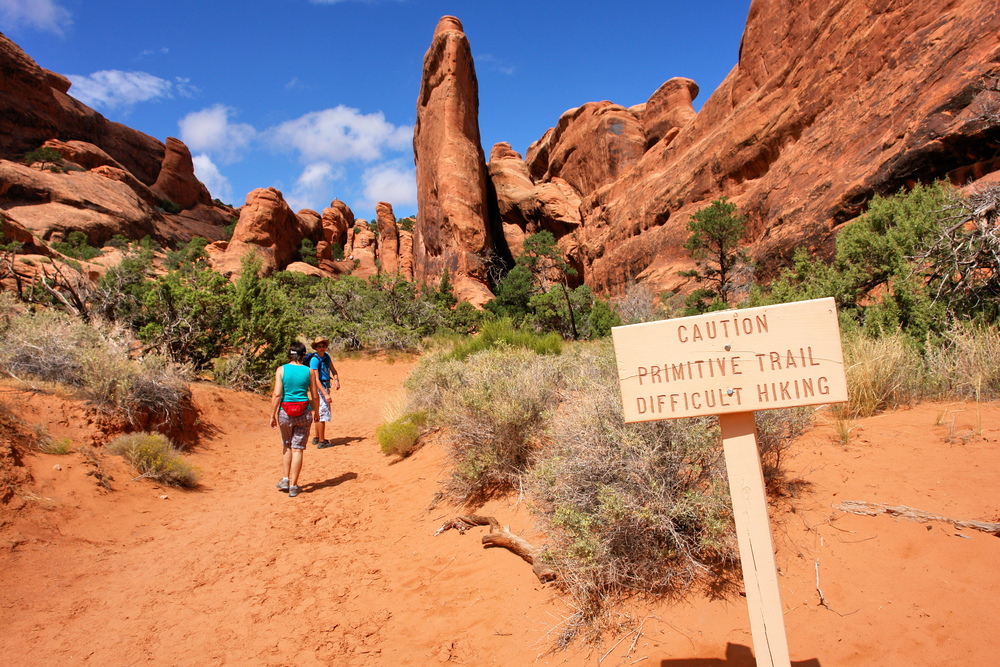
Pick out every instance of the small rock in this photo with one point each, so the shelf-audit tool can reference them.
(164, 497)
(57, 467)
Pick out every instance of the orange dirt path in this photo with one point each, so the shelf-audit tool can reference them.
(349, 572)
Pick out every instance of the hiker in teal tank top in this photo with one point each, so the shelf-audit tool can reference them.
(294, 407)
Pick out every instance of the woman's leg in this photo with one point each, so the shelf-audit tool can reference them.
(286, 461)
(296, 467)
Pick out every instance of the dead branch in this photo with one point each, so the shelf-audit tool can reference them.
(78, 307)
(910, 514)
(501, 537)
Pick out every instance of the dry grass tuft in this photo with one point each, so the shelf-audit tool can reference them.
(882, 374)
(151, 455)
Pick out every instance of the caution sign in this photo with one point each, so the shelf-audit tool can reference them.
(731, 361)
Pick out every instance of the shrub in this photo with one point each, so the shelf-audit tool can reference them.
(45, 155)
(95, 361)
(307, 252)
(776, 429)
(189, 257)
(629, 509)
(502, 332)
(228, 229)
(151, 455)
(400, 435)
(77, 246)
(495, 404)
(119, 241)
(168, 206)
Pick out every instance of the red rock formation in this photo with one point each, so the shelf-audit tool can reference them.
(827, 105)
(48, 203)
(268, 228)
(363, 250)
(82, 154)
(310, 224)
(406, 253)
(176, 182)
(35, 107)
(527, 208)
(453, 226)
(36, 110)
(336, 221)
(590, 146)
(669, 108)
(388, 238)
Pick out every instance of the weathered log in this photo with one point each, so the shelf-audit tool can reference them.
(503, 538)
(903, 512)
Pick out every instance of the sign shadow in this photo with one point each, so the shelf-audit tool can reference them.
(737, 655)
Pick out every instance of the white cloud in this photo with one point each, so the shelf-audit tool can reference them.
(494, 63)
(111, 89)
(209, 174)
(314, 187)
(152, 52)
(340, 134)
(45, 15)
(392, 182)
(210, 131)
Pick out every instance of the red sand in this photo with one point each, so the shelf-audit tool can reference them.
(349, 573)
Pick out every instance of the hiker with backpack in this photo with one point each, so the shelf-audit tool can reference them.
(321, 367)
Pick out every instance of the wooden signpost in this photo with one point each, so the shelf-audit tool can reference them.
(732, 363)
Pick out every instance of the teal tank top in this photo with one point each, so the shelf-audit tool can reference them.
(295, 382)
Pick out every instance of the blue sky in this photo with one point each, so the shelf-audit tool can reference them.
(318, 97)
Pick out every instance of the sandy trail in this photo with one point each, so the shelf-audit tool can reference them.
(350, 573)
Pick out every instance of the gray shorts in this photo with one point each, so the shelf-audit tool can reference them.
(324, 408)
(294, 430)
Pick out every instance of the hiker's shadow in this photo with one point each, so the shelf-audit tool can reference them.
(329, 483)
(737, 655)
(337, 442)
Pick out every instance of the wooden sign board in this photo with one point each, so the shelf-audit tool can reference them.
(731, 361)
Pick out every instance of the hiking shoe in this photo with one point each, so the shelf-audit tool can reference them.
(324, 444)
(283, 484)
(293, 491)
(316, 441)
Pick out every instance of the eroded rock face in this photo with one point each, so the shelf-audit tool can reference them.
(111, 179)
(589, 147)
(827, 106)
(363, 250)
(669, 108)
(48, 203)
(453, 226)
(176, 181)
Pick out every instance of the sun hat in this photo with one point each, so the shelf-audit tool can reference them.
(319, 339)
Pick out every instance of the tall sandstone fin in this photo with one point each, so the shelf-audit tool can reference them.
(453, 228)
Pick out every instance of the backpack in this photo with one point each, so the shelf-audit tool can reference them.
(308, 359)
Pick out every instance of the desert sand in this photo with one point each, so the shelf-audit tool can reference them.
(350, 572)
